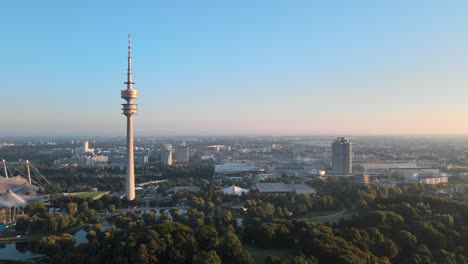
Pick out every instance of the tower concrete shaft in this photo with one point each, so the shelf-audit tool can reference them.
(129, 110)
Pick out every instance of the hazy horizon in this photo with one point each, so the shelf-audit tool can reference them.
(236, 68)
(246, 135)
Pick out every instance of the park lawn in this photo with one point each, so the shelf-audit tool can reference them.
(328, 216)
(259, 254)
(86, 195)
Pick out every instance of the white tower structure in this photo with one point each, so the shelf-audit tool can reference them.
(129, 110)
(85, 146)
(167, 154)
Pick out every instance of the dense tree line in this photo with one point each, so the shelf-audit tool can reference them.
(169, 238)
(390, 225)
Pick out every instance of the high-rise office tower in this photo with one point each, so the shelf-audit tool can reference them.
(129, 110)
(182, 153)
(342, 156)
(85, 146)
(167, 154)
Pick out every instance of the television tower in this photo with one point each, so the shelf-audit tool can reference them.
(129, 110)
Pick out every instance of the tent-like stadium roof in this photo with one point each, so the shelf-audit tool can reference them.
(234, 190)
(10, 199)
(17, 192)
(18, 185)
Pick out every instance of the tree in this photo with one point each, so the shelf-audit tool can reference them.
(232, 250)
(142, 254)
(111, 208)
(35, 209)
(91, 236)
(302, 260)
(207, 257)
(53, 225)
(272, 260)
(406, 240)
(53, 245)
(388, 248)
(207, 238)
(361, 204)
(227, 217)
(72, 208)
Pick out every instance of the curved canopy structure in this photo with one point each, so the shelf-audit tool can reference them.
(10, 199)
(234, 190)
(18, 185)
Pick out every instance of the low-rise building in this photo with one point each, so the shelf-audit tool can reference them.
(176, 189)
(433, 180)
(279, 187)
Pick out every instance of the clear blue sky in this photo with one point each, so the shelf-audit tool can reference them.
(235, 67)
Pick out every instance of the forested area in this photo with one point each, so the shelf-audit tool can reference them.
(389, 225)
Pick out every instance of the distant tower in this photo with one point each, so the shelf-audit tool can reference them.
(183, 153)
(129, 110)
(167, 154)
(85, 146)
(342, 156)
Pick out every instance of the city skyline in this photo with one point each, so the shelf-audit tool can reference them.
(241, 68)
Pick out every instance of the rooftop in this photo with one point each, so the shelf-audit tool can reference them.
(233, 168)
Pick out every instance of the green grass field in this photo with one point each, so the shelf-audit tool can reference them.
(327, 216)
(86, 195)
(259, 254)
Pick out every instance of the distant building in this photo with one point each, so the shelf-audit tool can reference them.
(302, 188)
(100, 159)
(237, 169)
(291, 170)
(182, 153)
(361, 179)
(279, 187)
(234, 190)
(176, 189)
(386, 168)
(420, 171)
(433, 180)
(315, 172)
(167, 157)
(141, 159)
(207, 157)
(342, 159)
(86, 148)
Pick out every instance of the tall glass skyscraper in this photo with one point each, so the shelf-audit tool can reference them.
(342, 156)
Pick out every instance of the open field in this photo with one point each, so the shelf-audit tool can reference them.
(327, 216)
(86, 195)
